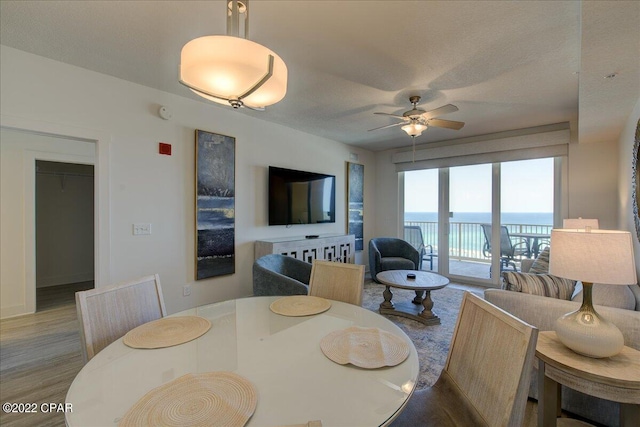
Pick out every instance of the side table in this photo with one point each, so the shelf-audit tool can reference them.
(614, 378)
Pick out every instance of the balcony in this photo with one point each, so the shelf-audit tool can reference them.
(466, 242)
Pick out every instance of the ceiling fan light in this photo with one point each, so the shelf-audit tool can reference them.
(224, 68)
(414, 129)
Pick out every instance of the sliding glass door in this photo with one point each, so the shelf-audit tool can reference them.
(461, 210)
(421, 214)
(526, 208)
(470, 195)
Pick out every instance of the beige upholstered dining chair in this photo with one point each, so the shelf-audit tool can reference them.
(106, 314)
(485, 380)
(337, 281)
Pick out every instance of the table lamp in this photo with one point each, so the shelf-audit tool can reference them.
(591, 256)
(580, 223)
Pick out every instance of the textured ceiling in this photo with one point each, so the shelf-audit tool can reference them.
(505, 64)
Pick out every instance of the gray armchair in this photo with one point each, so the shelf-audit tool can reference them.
(277, 274)
(389, 253)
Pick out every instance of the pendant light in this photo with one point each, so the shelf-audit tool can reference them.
(232, 70)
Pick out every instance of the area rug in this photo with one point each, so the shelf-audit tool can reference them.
(431, 342)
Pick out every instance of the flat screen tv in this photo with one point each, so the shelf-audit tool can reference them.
(299, 197)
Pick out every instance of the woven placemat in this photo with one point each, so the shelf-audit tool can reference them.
(167, 332)
(207, 399)
(369, 348)
(300, 305)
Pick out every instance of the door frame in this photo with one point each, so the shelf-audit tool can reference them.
(560, 203)
(102, 231)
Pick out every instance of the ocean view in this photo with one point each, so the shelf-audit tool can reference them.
(532, 218)
(466, 239)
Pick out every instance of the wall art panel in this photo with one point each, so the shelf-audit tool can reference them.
(215, 204)
(355, 202)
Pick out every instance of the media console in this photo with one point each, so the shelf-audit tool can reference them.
(331, 247)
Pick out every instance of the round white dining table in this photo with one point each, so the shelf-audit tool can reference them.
(281, 355)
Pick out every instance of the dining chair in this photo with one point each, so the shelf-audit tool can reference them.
(108, 313)
(337, 281)
(485, 380)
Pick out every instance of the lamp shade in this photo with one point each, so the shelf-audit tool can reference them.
(224, 68)
(580, 223)
(414, 129)
(599, 256)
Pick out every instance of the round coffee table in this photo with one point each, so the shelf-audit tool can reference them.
(424, 282)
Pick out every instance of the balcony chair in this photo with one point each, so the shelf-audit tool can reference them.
(106, 314)
(485, 380)
(337, 281)
(508, 250)
(413, 235)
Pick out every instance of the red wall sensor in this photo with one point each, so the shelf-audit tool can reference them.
(165, 148)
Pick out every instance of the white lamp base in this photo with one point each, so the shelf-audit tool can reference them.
(586, 332)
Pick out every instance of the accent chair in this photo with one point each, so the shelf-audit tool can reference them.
(277, 274)
(390, 253)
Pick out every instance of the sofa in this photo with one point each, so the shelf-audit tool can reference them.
(277, 274)
(539, 299)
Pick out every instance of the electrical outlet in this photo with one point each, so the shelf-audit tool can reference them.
(186, 290)
(140, 229)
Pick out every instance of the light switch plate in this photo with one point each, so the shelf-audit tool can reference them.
(140, 229)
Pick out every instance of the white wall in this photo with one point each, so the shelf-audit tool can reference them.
(147, 187)
(388, 215)
(626, 221)
(593, 181)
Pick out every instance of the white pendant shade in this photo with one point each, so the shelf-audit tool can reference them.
(226, 68)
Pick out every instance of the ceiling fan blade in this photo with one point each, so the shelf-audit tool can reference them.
(445, 109)
(392, 115)
(449, 124)
(388, 126)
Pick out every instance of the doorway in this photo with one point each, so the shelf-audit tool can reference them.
(64, 235)
(20, 149)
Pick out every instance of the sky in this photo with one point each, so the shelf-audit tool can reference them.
(527, 186)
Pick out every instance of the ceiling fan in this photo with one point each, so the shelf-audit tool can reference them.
(417, 120)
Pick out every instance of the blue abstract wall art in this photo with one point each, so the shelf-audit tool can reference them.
(215, 205)
(355, 193)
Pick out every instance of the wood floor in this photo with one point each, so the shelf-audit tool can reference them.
(40, 356)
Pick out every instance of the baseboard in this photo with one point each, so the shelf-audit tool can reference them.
(13, 311)
(45, 282)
